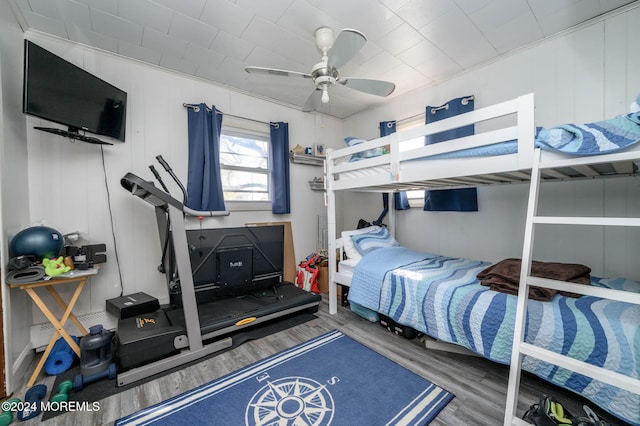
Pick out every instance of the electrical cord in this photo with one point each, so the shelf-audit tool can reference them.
(113, 232)
(264, 296)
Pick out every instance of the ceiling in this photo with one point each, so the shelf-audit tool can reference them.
(413, 43)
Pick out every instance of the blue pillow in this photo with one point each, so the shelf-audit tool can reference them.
(351, 141)
(366, 243)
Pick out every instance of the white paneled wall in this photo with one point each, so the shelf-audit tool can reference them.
(14, 200)
(587, 74)
(68, 188)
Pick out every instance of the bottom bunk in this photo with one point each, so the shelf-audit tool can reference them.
(442, 297)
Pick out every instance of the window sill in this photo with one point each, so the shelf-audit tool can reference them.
(416, 202)
(246, 206)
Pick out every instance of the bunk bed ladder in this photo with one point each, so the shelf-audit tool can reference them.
(520, 347)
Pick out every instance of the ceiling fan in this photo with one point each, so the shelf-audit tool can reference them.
(336, 51)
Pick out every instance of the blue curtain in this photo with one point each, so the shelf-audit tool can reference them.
(462, 200)
(400, 199)
(279, 146)
(204, 186)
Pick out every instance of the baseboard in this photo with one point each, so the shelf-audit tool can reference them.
(20, 368)
(41, 333)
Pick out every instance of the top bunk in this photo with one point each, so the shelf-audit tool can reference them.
(501, 151)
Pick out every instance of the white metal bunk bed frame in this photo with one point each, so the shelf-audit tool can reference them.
(529, 165)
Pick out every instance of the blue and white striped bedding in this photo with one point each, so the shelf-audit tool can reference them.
(441, 297)
(601, 137)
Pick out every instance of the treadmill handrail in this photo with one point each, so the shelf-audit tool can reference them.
(148, 192)
(208, 213)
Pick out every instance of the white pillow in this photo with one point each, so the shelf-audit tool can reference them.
(348, 245)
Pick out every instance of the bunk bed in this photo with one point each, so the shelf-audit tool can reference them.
(507, 149)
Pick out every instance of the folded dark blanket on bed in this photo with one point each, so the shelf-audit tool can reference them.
(504, 276)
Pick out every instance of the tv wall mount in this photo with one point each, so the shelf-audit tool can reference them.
(73, 133)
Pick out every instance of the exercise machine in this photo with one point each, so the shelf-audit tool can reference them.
(152, 343)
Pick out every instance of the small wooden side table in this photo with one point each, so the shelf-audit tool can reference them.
(58, 324)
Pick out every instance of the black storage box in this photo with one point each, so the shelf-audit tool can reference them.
(144, 339)
(399, 329)
(131, 305)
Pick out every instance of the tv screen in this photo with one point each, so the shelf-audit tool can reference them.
(58, 91)
(235, 261)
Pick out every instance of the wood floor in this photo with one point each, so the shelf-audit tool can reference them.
(479, 385)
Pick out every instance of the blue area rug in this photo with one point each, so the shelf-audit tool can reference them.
(331, 379)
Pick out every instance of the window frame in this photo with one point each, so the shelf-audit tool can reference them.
(240, 131)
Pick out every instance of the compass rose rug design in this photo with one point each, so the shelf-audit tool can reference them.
(330, 380)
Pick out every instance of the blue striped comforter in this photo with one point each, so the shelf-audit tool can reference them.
(441, 297)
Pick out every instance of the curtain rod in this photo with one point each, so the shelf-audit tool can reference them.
(464, 101)
(196, 108)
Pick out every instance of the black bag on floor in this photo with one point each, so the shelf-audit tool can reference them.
(399, 329)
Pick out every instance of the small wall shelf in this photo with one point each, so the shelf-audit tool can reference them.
(311, 160)
(317, 184)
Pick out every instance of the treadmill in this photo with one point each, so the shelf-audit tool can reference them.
(151, 343)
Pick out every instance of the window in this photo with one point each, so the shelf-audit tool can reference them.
(245, 167)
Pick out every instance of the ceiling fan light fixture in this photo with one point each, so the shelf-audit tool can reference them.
(325, 95)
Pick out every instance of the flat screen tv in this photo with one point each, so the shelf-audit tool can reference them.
(234, 261)
(58, 91)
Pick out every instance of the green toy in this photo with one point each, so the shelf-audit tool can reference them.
(55, 267)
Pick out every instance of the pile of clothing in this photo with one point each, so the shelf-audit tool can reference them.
(308, 271)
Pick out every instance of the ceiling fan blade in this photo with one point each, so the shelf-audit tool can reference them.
(373, 87)
(345, 47)
(275, 71)
(313, 102)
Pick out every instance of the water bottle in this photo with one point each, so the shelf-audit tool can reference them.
(95, 351)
